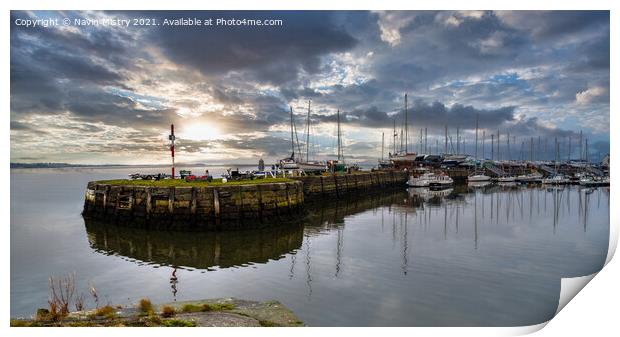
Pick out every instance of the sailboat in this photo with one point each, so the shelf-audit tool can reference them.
(477, 177)
(405, 157)
(289, 163)
(557, 178)
(338, 164)
(383, 163)
(310, 166)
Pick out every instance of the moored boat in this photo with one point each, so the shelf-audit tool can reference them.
(430, 180)
(420, 181)
(556, 180)
(315, 166)
(478, 177)
(441, 181)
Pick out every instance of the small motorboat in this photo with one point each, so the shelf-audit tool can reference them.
(420, 181)
(478, 177)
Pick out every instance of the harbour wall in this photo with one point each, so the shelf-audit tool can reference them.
(231, 248)
(193, 208)
(342, 184)
(225, 206)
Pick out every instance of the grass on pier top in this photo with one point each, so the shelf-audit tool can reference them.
(181, 182)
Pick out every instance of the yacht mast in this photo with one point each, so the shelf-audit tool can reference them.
(406, 128)
(292, 136)
(556, 154)
(445, 151)
(339, 141)
(508, 146)
(308, 133)
(426, 141)
(476, 151)
(394, 135)
(499, 157)
(580, 145)
(382, 144)
(484, 138)
(458, 141)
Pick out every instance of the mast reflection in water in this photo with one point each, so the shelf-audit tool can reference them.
(474, 255)
(478, 255)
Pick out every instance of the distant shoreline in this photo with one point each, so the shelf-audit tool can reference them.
(66, 165)
(179, 165)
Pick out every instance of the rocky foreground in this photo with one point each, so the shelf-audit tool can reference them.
(228, 312)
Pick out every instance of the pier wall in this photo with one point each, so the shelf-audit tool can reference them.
(341, 184)
(225, 206)
(200, 208)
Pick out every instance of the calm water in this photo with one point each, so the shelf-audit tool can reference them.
(472, 256)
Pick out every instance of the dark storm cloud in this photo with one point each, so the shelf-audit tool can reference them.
(274, 54)
(516, 70)
(56, 71)
(532, 127)
(422, 114)
(18, 126)
(93, 104)
(97, 42)
(46, 63)
(431, 49)
(546, 25)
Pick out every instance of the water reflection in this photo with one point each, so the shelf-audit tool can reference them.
(490, 255)
(498, 248)
(194, 250)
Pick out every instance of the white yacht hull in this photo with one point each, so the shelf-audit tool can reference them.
(312, 166)
(478, 178)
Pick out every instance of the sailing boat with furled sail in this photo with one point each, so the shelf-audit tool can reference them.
(307, 165)
(403, 158)
(289, 163)
(338, 164)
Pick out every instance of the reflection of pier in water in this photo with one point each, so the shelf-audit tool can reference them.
(462, 213)
(200, 250)
(474, 208)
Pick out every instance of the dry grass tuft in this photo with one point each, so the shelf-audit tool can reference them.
(145, 306)
(167, 311)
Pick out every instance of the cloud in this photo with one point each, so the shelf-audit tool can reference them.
(390, 23)
(274, 54)
(558, 25)
(592, 95)
(114, 91)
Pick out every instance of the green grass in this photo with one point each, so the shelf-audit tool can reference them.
(191, 308)
(266, 323)
(180, 182)
(207, 307)
(177, 323)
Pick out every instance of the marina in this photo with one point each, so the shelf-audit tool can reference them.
(259, 197)
(307, 168)
(415, 246)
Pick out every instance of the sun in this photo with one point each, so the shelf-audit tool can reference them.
(199, 131)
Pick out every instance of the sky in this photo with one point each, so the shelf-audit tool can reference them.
(108, 94)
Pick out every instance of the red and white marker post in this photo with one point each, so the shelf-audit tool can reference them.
(171, 138)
